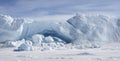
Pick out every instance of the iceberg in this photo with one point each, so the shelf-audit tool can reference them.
(82, 31)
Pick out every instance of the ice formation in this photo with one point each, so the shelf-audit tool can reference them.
(80, 30)
(10, 28)
(26, 46)
(37, 39)
(93, 29)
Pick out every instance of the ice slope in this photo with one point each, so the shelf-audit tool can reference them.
(80, 30)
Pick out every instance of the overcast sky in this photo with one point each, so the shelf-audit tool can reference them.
(39, 8)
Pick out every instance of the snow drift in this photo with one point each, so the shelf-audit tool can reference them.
(80, 30)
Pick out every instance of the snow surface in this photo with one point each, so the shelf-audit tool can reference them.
(108, 52)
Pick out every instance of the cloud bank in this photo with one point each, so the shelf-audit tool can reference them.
(40, 8)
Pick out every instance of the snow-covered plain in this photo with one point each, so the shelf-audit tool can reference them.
(80, 38)
(109, 52)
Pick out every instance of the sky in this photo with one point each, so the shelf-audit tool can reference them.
(54, 9)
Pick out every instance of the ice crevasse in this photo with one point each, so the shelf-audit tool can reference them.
(85, 30)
